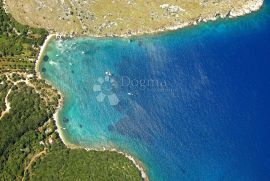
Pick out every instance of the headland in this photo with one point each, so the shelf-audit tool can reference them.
(104, 18)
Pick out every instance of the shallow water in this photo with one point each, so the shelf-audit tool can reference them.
(191, 105)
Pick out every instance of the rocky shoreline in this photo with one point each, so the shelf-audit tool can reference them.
(247, 9)
(164, 17)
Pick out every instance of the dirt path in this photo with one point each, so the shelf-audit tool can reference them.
(33, 159)
(7, 104)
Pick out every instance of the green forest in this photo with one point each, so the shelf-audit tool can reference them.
(26, 126)
(93, 165)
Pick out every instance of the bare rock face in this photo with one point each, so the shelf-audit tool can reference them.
(248, 7)
(123, 17)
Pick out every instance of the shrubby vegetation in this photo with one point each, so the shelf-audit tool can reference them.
(27, 112)
(16, 156)
(3, 92)
(19, 44)
(19, 139)
(19, 38)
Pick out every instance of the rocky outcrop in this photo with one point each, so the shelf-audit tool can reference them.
(247, 8)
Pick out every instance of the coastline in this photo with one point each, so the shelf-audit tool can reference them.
(69, 145)
(234, 13)
(41, 53)
(54, 35)
(249, 8)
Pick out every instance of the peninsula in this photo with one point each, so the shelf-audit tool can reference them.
(123, 17)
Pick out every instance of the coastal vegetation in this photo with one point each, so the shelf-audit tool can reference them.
(19, 44)
(30, 147)
(93, 165)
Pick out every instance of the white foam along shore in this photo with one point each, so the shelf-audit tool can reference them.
(136, 162)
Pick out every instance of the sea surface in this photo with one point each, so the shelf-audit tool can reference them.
(191, 105)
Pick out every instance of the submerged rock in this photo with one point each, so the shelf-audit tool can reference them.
(45, 58)
(43, 69)
(66, 120)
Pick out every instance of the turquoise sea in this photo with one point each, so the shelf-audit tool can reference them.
(192, 105)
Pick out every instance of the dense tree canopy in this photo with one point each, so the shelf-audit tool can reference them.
(92, 165)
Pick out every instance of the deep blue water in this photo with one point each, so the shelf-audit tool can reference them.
(193, 104)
